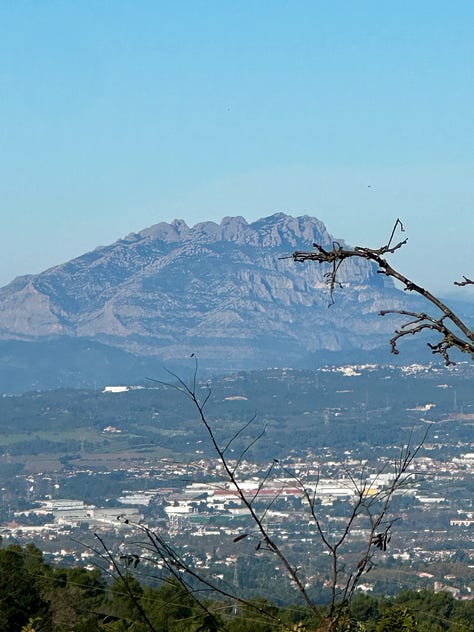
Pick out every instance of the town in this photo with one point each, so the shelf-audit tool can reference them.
(139, 459)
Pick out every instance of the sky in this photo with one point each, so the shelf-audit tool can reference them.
(116, 115)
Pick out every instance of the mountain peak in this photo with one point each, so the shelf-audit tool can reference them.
(223, 290)
(277, 230)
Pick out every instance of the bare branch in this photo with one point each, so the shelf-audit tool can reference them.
(369, 509)
(465, 282)
(270, 543)
(126, 585)
(238, 433)
(455, 334)
(179, 569)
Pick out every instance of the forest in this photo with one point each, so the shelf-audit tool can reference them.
(37, 597)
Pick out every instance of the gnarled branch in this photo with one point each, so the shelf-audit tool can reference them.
(455, 334)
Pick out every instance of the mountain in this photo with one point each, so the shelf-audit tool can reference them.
(227, 292)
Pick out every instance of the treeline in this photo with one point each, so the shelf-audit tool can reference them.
(35, 597)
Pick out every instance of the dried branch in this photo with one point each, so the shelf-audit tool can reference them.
(455, 334)
(371, 505)
(231, 473)
(126, 585)
(184, 573)
(465, 282)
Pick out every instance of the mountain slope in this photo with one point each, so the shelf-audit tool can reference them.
(222, 291)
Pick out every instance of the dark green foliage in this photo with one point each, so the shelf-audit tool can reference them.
(78, 600)
(124, 606)
(364, 607)
(61, 600)
(259, 616)
(434, 610)
(396, 619)
(21, 575)
(171, 607)
(75, 596)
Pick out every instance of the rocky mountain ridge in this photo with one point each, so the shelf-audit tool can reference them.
(227, 292)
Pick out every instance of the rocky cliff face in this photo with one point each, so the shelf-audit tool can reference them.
(222, 291)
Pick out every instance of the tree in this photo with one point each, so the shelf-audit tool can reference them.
(396, 619)
(21, 601)
(75, 596)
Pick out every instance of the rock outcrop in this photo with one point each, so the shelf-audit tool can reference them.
(223, 291)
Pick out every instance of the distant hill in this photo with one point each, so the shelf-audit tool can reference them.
(222, 291)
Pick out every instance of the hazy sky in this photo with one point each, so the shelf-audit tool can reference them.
(116, 115)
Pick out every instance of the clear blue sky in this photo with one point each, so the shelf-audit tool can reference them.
(117, 115)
